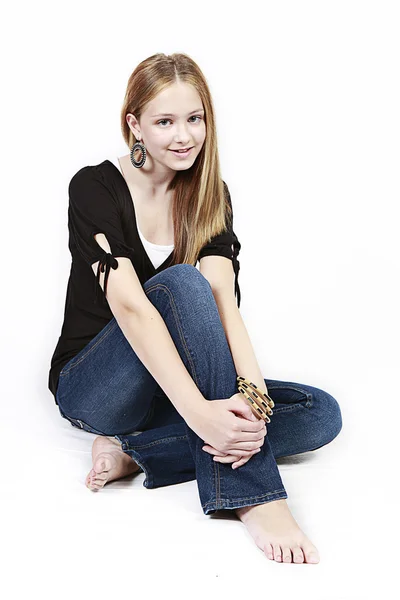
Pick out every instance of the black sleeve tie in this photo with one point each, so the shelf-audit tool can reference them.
(107, 261)
(236, 268)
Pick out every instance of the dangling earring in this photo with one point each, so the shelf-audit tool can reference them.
(142, 148)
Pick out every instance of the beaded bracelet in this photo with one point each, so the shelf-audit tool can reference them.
(255, 397)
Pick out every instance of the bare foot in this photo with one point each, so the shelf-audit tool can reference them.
(276, 532)
(110, 462)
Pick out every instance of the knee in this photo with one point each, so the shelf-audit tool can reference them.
(183, 277)
(332, 415)
(329, 413)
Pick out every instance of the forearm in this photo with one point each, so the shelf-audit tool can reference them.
(238, 338)
(149, 337)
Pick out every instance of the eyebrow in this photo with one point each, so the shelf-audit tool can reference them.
(171, 115)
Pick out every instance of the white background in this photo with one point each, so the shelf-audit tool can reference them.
(307, 104)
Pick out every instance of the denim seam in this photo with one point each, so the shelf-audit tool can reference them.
(232, 501)
(177, 322)
(308, 402)
(288, 387)
(217, 483)
(90, 350)
(167, 439)
(290, 407)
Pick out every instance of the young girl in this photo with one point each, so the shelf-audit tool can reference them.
(149, 341)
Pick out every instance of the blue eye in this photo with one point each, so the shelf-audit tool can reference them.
(192, 117)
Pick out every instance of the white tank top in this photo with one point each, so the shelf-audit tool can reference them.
(157, 253)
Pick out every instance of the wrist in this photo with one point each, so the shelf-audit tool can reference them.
(197, 410)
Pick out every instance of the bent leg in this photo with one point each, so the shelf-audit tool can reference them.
(304, 418)
(105, 389)
(185, 300)
(111, 390)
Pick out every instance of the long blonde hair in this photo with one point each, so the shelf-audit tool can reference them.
(200, 202)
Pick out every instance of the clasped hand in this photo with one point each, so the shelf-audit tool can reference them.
(230, 430)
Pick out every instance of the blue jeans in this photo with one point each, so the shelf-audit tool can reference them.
(106, 390)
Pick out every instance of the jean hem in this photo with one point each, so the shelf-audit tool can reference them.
(225, 503)
(148, 481)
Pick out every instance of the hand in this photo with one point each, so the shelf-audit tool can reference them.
(226, 435)
(230, 458)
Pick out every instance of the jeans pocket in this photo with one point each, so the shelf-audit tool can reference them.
(289, 397)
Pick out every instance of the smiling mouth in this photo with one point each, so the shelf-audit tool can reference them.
(182, 149)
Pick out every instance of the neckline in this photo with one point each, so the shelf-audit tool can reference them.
(128, 191)
(161, 247)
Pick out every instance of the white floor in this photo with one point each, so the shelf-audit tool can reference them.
(62, 539)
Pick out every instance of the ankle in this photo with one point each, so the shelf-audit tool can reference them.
(246, 511)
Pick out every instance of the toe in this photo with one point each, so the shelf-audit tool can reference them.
(298, 556)
(287, 554)
(268, 551)
(101, 464)
(95, 481)
(312, 558)
(311, 554)
(277, 553)
(98, 483)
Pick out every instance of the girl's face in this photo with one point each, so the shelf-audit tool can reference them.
(174, 119)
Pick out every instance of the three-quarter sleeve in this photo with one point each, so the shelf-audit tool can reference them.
(93, 208)
(225, 244)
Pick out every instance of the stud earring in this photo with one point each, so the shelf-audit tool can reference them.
(138, 146)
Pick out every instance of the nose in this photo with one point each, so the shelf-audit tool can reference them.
(182, 136)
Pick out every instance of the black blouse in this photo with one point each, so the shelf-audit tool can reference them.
(100, 202)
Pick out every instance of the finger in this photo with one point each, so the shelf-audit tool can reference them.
(212, 450)
(244, 460)
(246, 447)
(245, 436)
(228, 458)
(240, 463)
(242, 410)
(248, 436)
(251, 426)
(248, 443)
(239, 453)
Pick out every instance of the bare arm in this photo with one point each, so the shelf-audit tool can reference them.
(219, 273)
(238, 338)
(147, 333)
